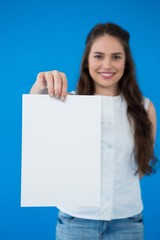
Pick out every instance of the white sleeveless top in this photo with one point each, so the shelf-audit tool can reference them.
(120, 187)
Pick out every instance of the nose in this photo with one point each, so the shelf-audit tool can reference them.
(107, 63)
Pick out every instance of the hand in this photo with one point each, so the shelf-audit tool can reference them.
(54, 82)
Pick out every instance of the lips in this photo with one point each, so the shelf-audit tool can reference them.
(106, 74)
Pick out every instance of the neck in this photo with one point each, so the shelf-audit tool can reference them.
(106, 92)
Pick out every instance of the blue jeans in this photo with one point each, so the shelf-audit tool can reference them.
(71, 228)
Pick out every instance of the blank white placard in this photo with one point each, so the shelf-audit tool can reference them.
(61, 151)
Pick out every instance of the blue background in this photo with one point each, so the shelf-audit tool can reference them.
(45, 35)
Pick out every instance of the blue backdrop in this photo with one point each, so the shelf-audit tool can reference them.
(45, 35)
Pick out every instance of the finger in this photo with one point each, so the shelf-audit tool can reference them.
(50, 84)
(64, 86)
(57, 84)
(41, 80)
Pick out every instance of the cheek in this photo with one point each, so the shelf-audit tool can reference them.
(121, 66)
(92, 65)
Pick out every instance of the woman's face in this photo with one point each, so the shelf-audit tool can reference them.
(106, 63)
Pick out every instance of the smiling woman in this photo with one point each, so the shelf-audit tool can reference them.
(128, 119)
(106, 63)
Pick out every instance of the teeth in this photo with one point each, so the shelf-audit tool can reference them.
(107, 74)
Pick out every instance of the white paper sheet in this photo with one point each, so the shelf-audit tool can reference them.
(61, 151)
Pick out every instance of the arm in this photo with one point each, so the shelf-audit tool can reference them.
(153, 119)
(53, 82)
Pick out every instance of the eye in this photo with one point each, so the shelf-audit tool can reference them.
(98, 56)
(116, 57)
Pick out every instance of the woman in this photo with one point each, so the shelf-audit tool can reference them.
(127, 142)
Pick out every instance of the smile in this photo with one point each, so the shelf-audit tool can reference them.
(106, 74)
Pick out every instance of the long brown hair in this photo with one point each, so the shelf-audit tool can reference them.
(143, 136)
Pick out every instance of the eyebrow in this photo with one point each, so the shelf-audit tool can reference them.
(116, 53)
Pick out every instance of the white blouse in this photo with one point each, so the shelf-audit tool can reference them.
(120, 187)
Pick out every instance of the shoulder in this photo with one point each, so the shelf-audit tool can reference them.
(150, 108)
(72, 93)
(146, 102)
